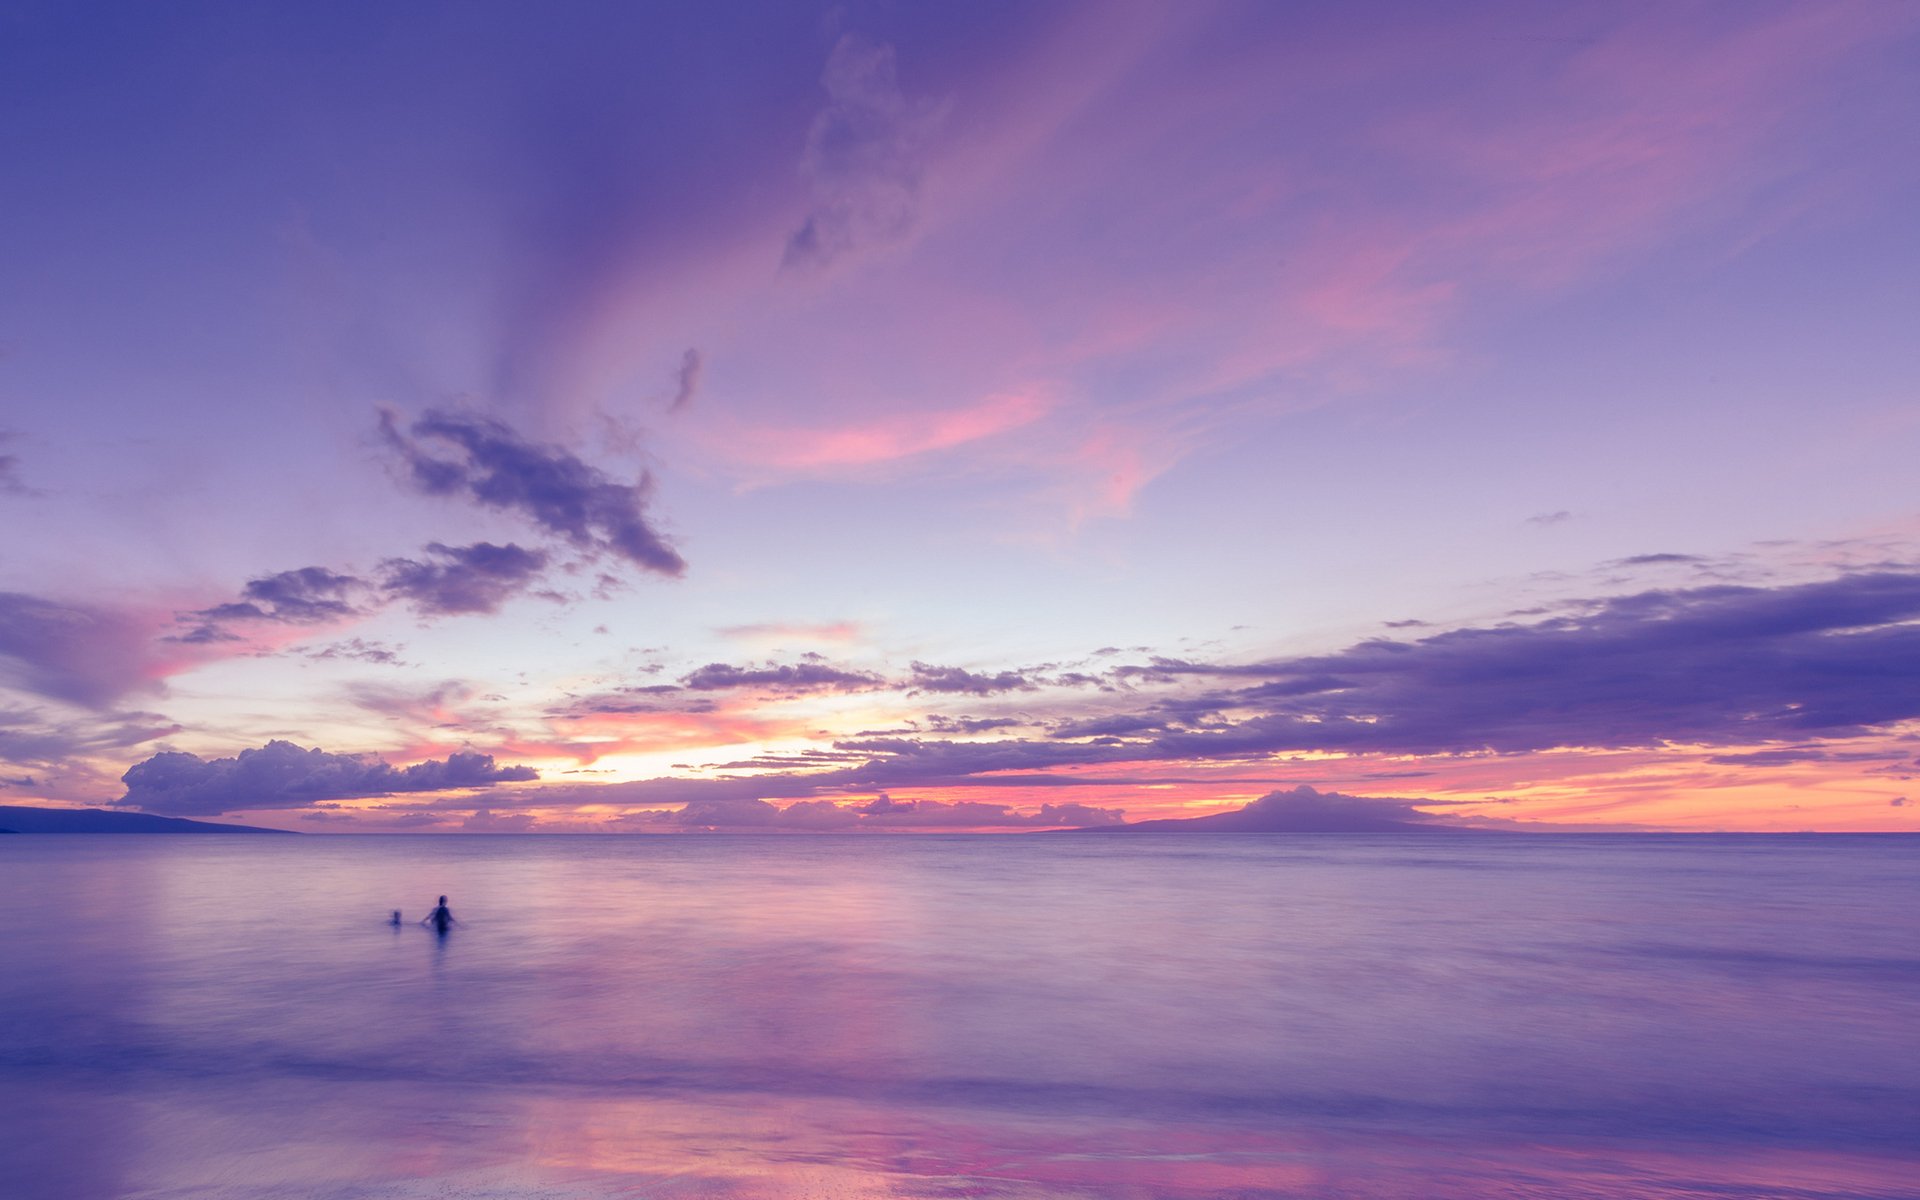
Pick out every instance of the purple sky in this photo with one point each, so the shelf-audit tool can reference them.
(960, 416)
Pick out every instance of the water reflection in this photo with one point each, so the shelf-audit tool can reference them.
(1019, 1017)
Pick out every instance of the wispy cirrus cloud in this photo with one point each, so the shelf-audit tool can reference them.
(60, 757)
(866, 156)
(775, 631)
(882, 440)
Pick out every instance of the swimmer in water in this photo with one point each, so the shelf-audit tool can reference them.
(441, 918)
(395, 919)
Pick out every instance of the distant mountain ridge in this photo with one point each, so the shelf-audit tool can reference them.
(25, 819)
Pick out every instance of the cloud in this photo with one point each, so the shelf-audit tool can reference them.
(883, 812)
(487, 821)
(865, 156)
(450, 580)
(433, 706)
(1722, 665)
(307, 596)
(1650, 560)
(884, 439)
(1550, 518)
(686, 380)
(975, 814)
(829, 631)
(1790, 756)
(10, 481)
(930, 678)
(941, 723)
(805, 676)
(31, 738)
(356, 650)
(1727, 666)
(60, 755)
(1114, 725)
(283, 775)
(465, 579)
(78, 653)
(650, 698)
(493, 466)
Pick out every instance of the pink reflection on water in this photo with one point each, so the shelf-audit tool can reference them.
(368, 1140)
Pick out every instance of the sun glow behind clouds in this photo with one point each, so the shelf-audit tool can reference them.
(967, 393)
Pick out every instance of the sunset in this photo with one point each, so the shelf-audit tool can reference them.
(766, 436)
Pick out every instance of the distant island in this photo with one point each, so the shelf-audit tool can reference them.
(23, 819)
(1302, 810)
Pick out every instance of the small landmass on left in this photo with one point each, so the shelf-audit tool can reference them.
(25, 819)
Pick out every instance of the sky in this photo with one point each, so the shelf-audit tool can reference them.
(913, 417)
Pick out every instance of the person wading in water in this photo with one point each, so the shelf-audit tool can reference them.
(441, 918)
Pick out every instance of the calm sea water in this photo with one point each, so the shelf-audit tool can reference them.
(1025, 1017)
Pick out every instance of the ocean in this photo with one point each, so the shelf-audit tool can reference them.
(1024, 1017)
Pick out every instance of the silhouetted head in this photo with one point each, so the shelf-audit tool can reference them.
(443, 899)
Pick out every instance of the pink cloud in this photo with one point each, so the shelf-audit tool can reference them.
(1110, 466)
(835, 632)
(885, 439)
(95, 655)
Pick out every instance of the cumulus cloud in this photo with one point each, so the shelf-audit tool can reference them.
(865, 157)
(283, 775)
(484, 460)
(462, 579)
